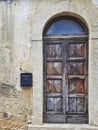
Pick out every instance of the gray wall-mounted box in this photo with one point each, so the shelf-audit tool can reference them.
(26, 79)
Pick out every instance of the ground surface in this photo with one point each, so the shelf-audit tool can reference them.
(12, 123)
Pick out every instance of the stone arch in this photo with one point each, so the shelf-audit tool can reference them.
(41, 18)
(79, 20)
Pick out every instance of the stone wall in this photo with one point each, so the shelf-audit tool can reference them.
(15, 57)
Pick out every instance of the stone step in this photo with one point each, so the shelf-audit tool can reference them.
(61, 127)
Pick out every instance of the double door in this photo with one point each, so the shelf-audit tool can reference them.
(65, 81)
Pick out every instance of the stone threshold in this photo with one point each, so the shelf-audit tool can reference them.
(62, 127)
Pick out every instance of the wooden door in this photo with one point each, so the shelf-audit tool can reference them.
(65, 81)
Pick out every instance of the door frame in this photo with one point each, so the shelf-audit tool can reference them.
(37, 57)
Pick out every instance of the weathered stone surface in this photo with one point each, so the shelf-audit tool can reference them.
(13, 123)
(61, 127)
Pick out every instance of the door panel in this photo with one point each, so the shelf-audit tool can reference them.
(80, 104)
(76, 105)
(76, 50)
(76, 86)
(65, 81)
(54, 68)
(72, 104)
(76, 68)
(54, 51)
(54, 104)
(54, 86)
(54, 118)
(77, 119)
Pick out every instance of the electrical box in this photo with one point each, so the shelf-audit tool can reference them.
(26, 79)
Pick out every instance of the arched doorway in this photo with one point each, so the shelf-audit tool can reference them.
(65, 71)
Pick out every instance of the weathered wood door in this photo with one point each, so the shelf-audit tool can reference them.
(65, 80)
